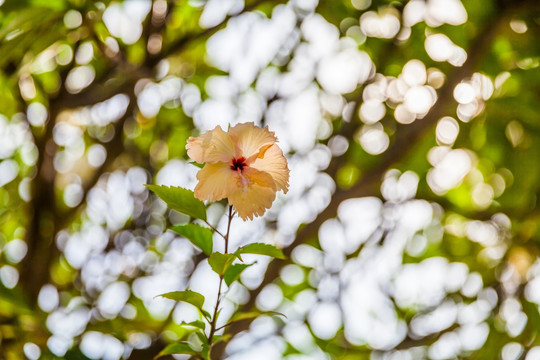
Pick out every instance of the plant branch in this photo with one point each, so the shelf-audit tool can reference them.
(228, 228)
(216, 310)
(215, 229)
(213, 327)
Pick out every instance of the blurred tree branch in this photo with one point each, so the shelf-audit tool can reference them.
(44, 211)
(119, 79)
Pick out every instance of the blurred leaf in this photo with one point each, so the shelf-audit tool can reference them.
(197, 323)
(219, 338)
(53, 4)
(181, 200)
(291, 350)
(198, 235)
(238, 316)
(202, 338)
(178, 348)
(200, 166)
(347, 176)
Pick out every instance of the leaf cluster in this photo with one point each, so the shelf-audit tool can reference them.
(228, 266)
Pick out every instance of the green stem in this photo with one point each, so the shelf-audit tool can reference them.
(213, 328)
(228, 229)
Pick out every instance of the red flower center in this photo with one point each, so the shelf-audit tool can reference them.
(238, 164)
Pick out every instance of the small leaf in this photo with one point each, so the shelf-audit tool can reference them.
(261, 249)
(197, 323)
(205, 352)
(198, 342)
(233, 272)
(218, 313)
(220, 262)
(202, 339)
(219, 338)
(198, 235)
(291, 350)
(177, 348)
(252, 314)
(190, 297)
(181, 200)
(199, 165)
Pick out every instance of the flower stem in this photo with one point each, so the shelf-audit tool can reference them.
(213, 327)
(228, 229)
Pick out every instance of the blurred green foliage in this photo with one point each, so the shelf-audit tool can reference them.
(43, 44)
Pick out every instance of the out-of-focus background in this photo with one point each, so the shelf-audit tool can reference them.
(412, 132)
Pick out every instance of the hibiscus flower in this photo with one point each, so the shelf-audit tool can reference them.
(243, 165)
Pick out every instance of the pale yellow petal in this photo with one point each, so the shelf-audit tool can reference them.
(274, 163)
(211, 147)
(216, 181)
(255, 176)
(250, 140)
(195, 149)
(255, 194)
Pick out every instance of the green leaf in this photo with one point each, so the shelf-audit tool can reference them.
(190, 297)
(200, 166)
(219, 338)
(261, 249)
(177, 348)
(220, 262)
(251, 315)
(198, 235)
(202, 338)
(291, 350)
(197, 323)
(233, 272)
(181, 200)
(197, 341)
